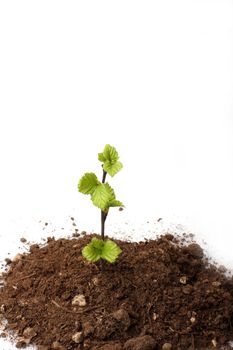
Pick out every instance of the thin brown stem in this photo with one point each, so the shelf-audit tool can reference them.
(103, 214)
(103, 219)
(104, 176)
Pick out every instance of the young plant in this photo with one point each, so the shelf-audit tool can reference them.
(103, 197)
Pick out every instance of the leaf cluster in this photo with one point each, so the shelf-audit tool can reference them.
(102, 194)
(110, 159)
(98, 249)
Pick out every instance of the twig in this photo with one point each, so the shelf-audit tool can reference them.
(75, 312)
(175, 331)
(64, 309)
(28, 276)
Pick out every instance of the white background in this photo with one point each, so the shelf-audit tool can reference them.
(152, 78)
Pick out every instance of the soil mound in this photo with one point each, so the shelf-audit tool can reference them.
(159, 295)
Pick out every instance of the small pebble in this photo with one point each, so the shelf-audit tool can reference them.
(77, 337)
(29, 333)
(79, 300)
(214, 343)
(183, 279)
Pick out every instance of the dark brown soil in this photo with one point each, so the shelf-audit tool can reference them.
(159, 295)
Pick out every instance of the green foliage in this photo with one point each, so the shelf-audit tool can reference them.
(115, 203)
(110, 251)
(104, 197)
(93, 250)
(88, 183)
(102, 194)
(112, 169)
(98, 249)
(110, 159)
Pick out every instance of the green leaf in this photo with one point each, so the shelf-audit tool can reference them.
(88, 183)
(101, 157)
(110, 251)
(109, 154)
(98, 249)
(102, 195)
(112, 169)
(109, 157)
(93, 250)
(115, 203)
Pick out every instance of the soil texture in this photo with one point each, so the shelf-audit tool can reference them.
(159, 295)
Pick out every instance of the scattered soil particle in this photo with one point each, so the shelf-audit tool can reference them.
(8, 261)
(159, 295)
(76, 234)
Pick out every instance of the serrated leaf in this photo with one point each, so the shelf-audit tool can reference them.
(93, 250)
(110, 251)
(101, 157)
(88, 183)
(98, 249)
(97, 243)
(110, 154)
(115, 203)
(112, 169)
(102, 195)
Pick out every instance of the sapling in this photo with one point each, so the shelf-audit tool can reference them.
(103, 197)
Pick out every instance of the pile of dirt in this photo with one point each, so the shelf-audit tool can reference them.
(159, 295)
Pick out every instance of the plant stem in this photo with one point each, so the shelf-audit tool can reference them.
(104, 176)
(103, 219)
(103, 214)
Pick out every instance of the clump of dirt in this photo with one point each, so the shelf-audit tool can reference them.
(159, 295)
